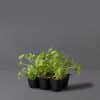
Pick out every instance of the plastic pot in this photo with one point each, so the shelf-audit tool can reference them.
(66, 81)
(33, 83)
(56, 85)
(59, 85)
(44, 83)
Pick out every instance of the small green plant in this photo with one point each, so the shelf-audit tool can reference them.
(26, 66)
(61, 65)
(42, 64)
(49, 64)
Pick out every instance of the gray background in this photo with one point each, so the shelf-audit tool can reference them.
(72, 26)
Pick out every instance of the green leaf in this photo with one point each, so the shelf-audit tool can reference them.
(21, 56)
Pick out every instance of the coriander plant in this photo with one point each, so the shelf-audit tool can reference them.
(48, 64)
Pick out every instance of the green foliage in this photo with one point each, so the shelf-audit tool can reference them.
(30, 57)
(51, 63)
(77, 68)
(22, 73)
(60, 65)
(27, 70)
(31, 72)
(59, 73)
(42, 64)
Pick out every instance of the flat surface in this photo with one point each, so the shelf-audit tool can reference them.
(83, 87)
